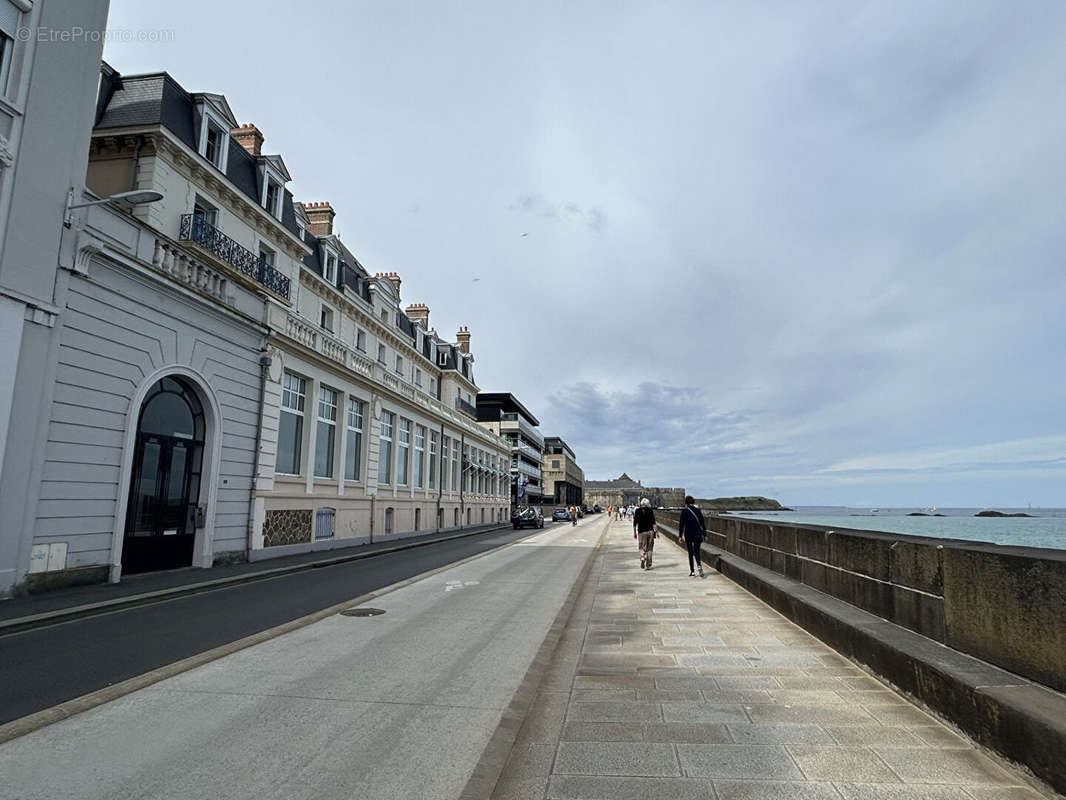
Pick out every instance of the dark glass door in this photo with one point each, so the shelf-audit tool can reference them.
(165, 485)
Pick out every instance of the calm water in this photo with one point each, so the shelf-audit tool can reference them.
(1046, 528)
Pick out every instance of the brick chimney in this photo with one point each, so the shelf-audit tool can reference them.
(319, 218)
(463, 337)
(394, 279)
(419, 312)
(249, 137)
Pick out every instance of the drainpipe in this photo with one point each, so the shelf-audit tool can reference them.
(264, 367)
(136, 161)
(373, 497)
(440, 473)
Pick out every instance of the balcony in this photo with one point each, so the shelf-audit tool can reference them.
(467, 408)
(529, 452)
(196, 229)
(510, 421)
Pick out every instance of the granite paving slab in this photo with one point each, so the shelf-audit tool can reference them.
(692, 688)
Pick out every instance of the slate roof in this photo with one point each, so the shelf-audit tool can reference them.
(157, 99)
(623, 481)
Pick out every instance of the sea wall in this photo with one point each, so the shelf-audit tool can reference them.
(1004, 605)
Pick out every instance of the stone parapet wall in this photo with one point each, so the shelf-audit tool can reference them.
(1004, 605)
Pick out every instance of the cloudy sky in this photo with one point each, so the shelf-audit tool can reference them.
(811, 250)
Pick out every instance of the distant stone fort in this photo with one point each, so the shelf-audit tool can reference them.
(623, 491)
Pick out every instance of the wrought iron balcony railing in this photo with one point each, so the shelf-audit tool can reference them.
(195, 228)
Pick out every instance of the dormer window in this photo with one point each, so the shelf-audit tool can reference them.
(330, 270)
(442, 357)
(272, 198)
(385, 316)
(216, 121)
(213, 145)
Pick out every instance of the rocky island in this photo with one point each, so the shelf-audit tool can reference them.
(1001, 514)
(742, 504)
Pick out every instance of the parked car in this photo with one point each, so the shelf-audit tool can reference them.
(596, 509)
(560, 515)
(528, 517)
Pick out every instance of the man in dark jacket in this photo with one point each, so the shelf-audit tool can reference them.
(692, 528)
(645, 531)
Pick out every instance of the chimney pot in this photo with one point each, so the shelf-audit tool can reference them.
(463, 338)
(419, 312)
(249, 137)
(319, 218)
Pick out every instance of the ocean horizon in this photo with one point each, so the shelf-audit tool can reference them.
(1045, 527)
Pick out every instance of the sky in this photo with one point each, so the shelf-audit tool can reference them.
(808, 250)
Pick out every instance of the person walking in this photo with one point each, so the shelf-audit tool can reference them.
(644, 531)
(692, 528)
(573, 515)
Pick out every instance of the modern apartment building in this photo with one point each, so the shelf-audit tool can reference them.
(229, 382)
(503, 414)
(564, 480)
(47, 94)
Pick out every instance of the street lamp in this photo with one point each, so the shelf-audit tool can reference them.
(137, 197)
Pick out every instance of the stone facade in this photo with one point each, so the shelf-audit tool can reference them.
(623, 491)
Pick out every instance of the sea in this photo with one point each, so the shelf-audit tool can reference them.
(1046, 527)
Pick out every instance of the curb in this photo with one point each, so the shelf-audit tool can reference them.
(1015, 718)
(46, 618)
(40, 719)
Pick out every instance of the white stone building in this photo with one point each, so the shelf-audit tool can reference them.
(225, 381)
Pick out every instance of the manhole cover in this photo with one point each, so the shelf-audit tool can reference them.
(362, 612)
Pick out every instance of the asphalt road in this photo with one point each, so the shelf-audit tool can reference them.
(43, 667)
(388, 707)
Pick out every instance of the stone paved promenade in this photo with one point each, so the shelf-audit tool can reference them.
(670, 687)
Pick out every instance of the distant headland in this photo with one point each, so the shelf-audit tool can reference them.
(755, 503)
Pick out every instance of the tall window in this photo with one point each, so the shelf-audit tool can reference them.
(325, 432)
(455, 465)
(360, 340)
(466, 468)
(445, 456)
(353, 453)
(418, 377)
(403, 452)
(325, 319)
(331, 269)
(291, 424)
(7, 46)
(381, 353)
(418, 519)
(204, 209)
(385, 449)
(388, 520)
(267, 257)
(399, 365)
(420, 456)
(433, 459)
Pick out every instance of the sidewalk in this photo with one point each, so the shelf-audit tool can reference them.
(669, 686)
(147, 587)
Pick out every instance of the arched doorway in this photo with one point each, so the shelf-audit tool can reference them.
(165, 482)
